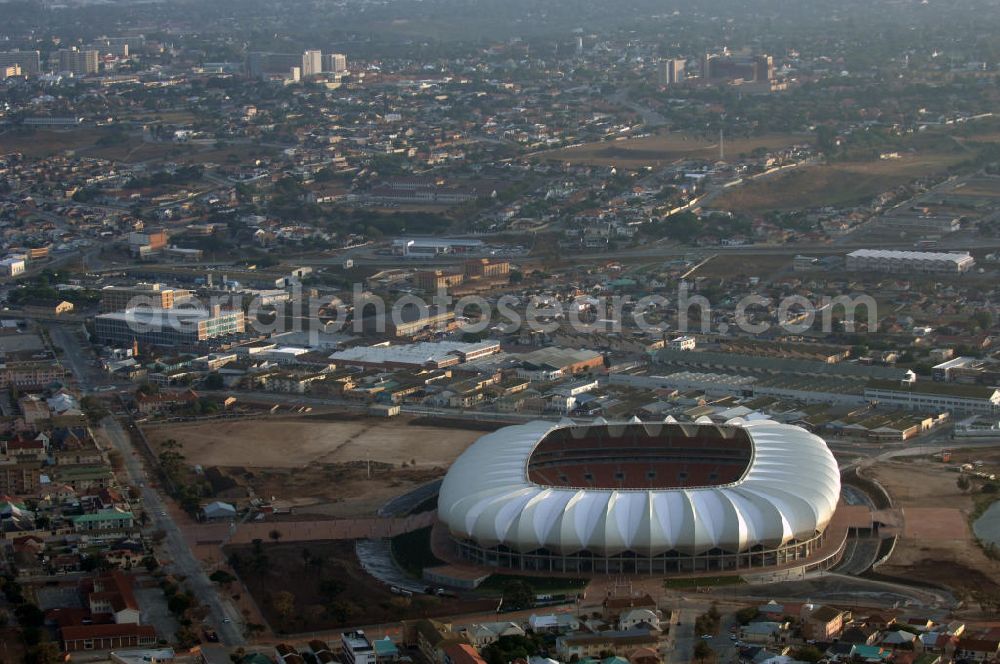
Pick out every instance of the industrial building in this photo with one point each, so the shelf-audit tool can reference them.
(966, 399)
(908, 262)
(425, 355)
(149, 295)
(168, 327)
(434, 246)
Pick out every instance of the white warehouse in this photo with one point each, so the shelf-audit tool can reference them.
(885, 260)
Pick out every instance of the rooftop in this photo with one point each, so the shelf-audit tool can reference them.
(892, 254)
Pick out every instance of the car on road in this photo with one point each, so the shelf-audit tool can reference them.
(163, 513)
(706, 636)
(226, 620)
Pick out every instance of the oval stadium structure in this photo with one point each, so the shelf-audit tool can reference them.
(641, 497)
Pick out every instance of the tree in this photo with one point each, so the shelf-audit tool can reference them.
(702, 650)
(284, 604)
(518, 595)
(43, 653)
(275, 535)
(808, 653)
(963, 483)
(252, 630)
(222, 577)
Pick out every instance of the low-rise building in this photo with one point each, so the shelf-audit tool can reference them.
(356, 648)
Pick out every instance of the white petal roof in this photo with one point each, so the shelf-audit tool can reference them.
(789, 491)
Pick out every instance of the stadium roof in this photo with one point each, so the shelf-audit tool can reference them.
(789, 490)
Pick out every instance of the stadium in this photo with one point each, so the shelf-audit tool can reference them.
(642, 498)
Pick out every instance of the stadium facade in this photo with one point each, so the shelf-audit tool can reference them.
(641, 497)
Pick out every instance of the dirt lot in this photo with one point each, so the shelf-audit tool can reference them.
(835, 184)
(726, 265)
(662, 149)
(978, 187)
(938, 546)
(329, 589)
(301, 442)
(320, 466)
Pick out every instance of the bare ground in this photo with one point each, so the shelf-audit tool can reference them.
(337, 468)
(938, 546)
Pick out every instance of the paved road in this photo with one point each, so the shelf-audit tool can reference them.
(403, 505)
(182, 560)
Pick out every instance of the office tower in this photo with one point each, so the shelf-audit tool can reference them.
(335, 62)
(29, 61)
(255, 64)
(671, 71)
(77, 62)
(262, 63)
(763, 68)
(118, 46)
(706, 66)
(312, 63)
(9, 71)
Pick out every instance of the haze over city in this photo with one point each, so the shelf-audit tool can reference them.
(458, 332)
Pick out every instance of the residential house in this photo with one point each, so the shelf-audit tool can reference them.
(978, 648)
(461, 653)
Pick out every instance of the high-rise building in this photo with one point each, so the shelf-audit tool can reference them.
(121, 46)
(29, 61)
(335, 62)
(672, 71)
(759, 68)
(262, 63)
(77, 62)
(312, 63)
(8, 71)
(763, 68)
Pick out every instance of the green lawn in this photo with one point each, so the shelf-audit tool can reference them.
(542, 585)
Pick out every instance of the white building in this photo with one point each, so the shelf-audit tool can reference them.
(357, 649)
(886, 260)
(13, 266)
(312, 63)
(935, 397)
(683, 343)
(335, 63)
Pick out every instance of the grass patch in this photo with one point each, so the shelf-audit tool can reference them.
(702, 582)
(666, 147)
(412, 551)
(541, 585)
